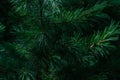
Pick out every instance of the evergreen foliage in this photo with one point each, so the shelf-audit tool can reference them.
(59, 40)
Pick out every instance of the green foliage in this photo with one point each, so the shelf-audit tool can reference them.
(78, 15)
(100, 42)
(20, 6)
(2, 28)
(26, 75)
(60, 40)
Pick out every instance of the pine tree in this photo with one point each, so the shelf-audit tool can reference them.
(59, 40)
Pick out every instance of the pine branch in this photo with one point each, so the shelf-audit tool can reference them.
(79, 14)
(20, 6)
(101, 41)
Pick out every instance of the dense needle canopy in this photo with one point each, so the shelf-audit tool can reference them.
(59, 40)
